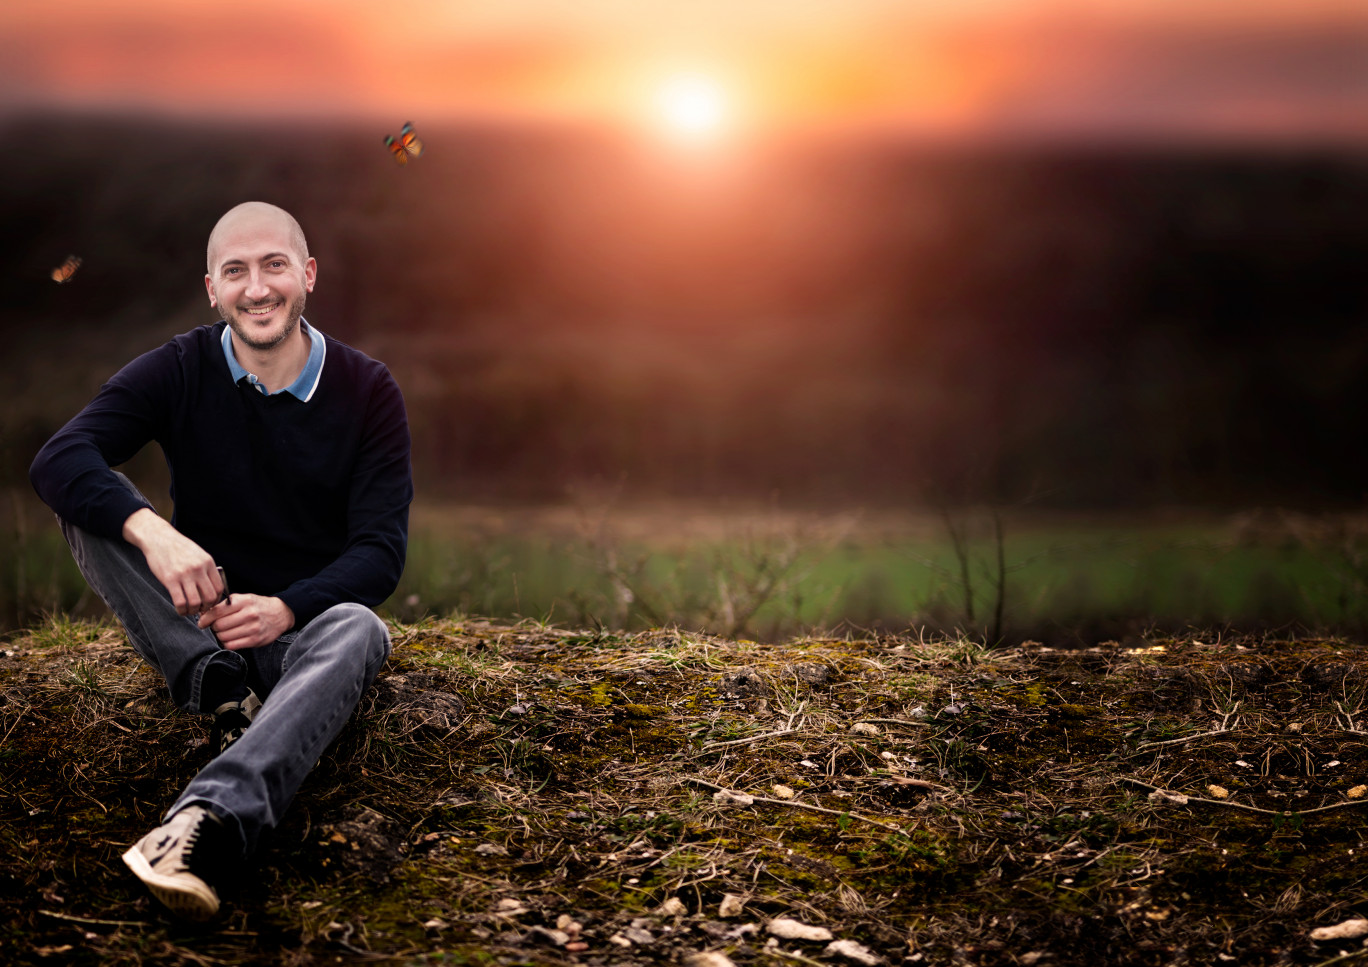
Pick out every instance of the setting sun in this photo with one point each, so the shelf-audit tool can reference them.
(692, 107)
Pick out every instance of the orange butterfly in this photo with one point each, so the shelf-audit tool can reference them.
(67, 269)
(406, 144)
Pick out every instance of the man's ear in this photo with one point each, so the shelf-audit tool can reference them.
(209, 287)
(310, 274)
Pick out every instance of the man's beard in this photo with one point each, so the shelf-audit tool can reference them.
(293, 312)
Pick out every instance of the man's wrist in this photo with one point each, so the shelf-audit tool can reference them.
(138, 525)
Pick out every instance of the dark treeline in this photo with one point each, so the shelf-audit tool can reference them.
(856, 322)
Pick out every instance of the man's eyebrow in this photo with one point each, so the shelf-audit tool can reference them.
(269, 257)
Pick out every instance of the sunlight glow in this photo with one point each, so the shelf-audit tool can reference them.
(692, 108)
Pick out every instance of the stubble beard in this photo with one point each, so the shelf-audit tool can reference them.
(294, 311)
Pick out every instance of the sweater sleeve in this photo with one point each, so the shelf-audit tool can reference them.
(72, 474)
(381, 489)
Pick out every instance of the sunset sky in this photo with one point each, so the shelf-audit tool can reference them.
(1264, 69)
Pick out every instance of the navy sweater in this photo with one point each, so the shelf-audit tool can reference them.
(304, 501)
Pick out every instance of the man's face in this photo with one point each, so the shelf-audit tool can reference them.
(258, 279)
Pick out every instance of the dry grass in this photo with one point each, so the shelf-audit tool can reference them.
(521, 794)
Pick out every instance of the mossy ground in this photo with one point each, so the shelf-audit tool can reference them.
(527, 795)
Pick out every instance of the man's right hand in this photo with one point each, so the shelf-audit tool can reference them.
(183, 567)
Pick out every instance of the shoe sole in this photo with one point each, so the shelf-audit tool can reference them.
(185, 895)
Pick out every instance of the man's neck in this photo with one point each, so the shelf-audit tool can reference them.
(279, 366)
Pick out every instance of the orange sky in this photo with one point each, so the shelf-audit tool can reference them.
(1285, 69)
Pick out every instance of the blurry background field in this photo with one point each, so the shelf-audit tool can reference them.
(1024, 319)
(757, 572)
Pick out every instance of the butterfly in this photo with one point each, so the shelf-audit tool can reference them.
(67, 269)
(406, 144)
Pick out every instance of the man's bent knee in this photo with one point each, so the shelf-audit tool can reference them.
(361, 627)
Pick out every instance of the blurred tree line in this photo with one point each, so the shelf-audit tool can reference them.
(833, 321)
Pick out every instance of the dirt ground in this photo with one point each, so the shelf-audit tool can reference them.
(528, 795)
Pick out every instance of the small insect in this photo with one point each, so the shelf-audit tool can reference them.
(67, 269)
(406, 144)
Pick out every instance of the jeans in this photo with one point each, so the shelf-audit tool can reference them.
(310, 682)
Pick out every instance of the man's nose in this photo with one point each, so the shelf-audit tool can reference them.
(256, 287)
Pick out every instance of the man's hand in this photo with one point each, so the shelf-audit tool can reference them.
(183, 567)
(248, 621)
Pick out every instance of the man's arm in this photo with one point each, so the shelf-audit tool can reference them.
(183, 567)
(72, 474)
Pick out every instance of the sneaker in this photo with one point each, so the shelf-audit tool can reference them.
(231, 720)
(179, 859)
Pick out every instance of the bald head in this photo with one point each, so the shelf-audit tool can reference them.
(253, 214)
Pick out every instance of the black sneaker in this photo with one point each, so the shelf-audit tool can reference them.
(231, 720)
(179, 860)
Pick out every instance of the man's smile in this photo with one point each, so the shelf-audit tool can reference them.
(262, 310)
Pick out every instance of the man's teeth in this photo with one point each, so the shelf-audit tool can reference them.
(261, 311)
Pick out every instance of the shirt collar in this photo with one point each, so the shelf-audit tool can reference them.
(304, 385)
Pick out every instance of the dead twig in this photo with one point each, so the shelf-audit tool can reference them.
(911, 725)
(1236, 805)
(789, 955)
(1183, 739)
(749, 739)
(103, 923)
(1343, 958)
(790, 804)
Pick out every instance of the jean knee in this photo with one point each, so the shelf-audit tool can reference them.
(363, 630)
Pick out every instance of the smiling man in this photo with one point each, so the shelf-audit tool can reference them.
(290, 474)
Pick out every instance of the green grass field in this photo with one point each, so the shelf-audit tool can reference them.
(767, 573)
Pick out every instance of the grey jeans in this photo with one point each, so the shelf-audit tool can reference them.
(310, 681)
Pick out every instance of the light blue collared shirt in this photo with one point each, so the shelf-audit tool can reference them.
(304, 385)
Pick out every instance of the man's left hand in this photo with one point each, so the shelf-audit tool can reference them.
(248, 621)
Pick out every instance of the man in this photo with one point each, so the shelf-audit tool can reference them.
(289, 460)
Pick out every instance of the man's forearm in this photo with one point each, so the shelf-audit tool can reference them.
(185, 569)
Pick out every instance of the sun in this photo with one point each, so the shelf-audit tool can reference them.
(692, 108)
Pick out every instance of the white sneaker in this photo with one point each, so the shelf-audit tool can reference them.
(180, 859)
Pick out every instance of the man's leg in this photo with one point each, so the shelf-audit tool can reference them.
(313, 683)
(185, 654)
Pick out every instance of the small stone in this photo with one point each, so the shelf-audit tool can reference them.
(1165, 795)
(732, 796)
(619, 940)
(731, 906)
(1218, 792)
(708, 958)
(865, 728)
(786, 929)
(853, 952)
(509, 907)
(576, 946)
(569, 924)
(781, 791)
(491, 849)
(673, 907)
(1348, 930)
(1358, 792)
(638, 936)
